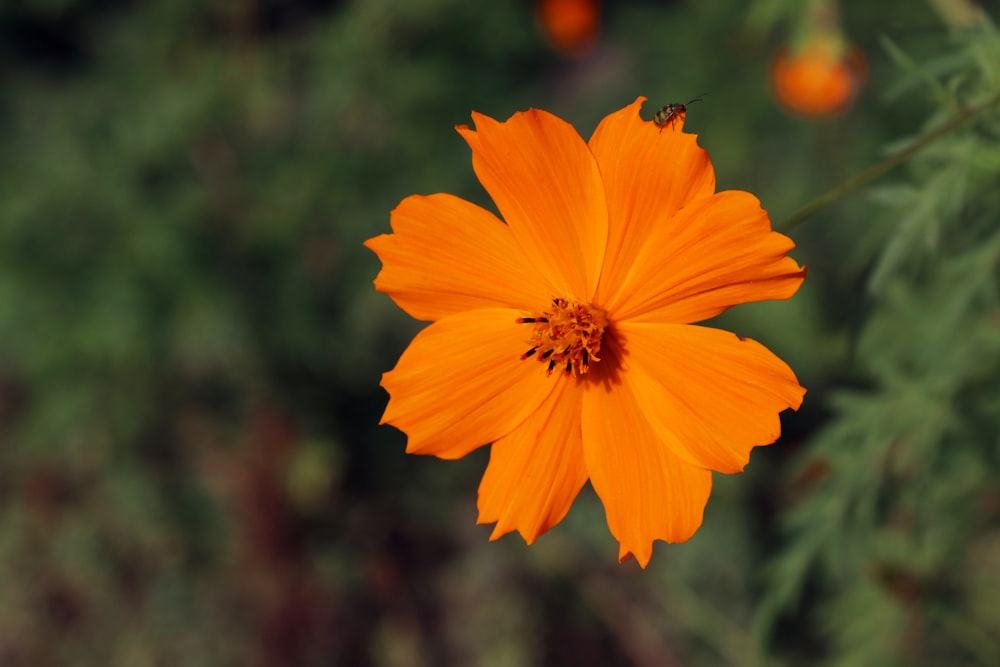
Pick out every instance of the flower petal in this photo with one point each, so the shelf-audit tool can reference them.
(648, 492)
(709, 394)
(715, 253)
(648, 175)
(547, 186)
(537, 470)
(461, 383)
(447, 255)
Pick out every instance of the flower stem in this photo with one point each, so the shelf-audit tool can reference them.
(879, 168)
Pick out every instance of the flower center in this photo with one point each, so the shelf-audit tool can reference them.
(568, 336)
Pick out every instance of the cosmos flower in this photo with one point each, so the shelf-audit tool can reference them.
(822, 77)
(563, 334)
(570, 26)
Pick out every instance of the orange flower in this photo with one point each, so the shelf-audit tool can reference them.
(563, 334)
(570, 26)
(820, 79)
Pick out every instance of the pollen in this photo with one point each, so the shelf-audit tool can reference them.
(567, 337)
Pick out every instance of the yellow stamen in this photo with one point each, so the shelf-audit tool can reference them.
(568, 336)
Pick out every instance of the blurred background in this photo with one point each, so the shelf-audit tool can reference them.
(191, 471)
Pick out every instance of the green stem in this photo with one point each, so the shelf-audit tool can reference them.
(879, 168)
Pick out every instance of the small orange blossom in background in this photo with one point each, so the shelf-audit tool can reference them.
(820, 78)
(570, 26)
(563, 333)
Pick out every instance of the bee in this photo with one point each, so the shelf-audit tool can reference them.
(668, 114)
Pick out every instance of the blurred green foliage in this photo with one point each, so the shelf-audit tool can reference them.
(191, 471)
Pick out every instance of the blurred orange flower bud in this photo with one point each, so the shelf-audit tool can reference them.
(570, 26)
(821, 78)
